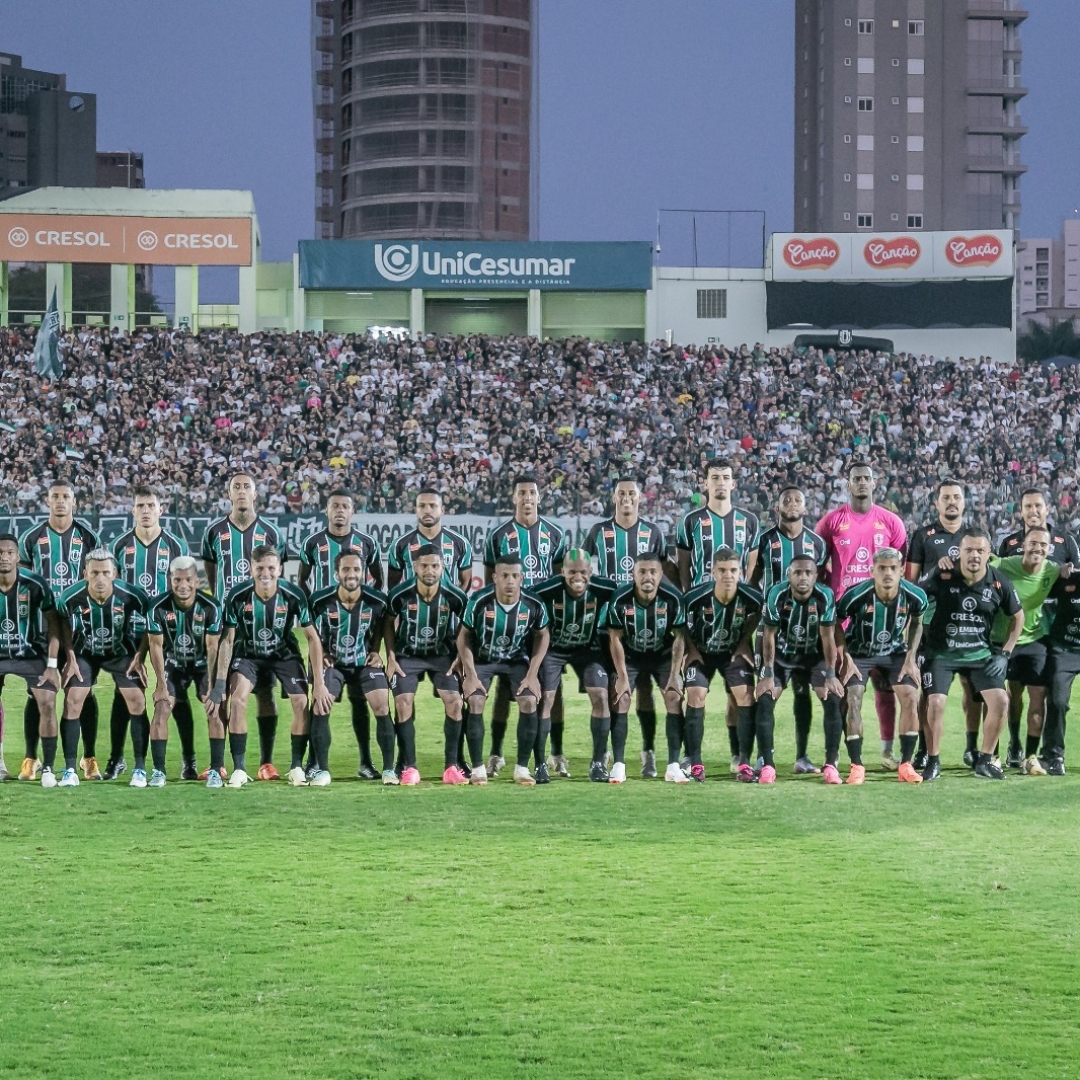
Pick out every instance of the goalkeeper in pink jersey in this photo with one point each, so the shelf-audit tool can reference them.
(852, 534)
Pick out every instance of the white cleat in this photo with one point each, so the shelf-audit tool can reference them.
(609, 760)
(674, 774)
(69, 778)
(48, 778)
(560, 766)
(733, 768)
(239, 778)
(617, 773)
(297, 777)
(494, 763)
(479, 776)
(648, 764)
(321, 778)
(523, 777)
(138, 778)
(4, 774)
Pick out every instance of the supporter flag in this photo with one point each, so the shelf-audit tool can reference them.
(47, 347)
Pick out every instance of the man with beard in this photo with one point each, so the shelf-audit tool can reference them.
(455, 551)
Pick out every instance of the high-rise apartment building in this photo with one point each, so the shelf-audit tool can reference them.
(423, 118)
(1048, 272)
(906, 114)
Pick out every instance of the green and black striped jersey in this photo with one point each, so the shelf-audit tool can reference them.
(776, 550)
(541, 547)
(264, 628)
(457, 553)
(319, 550)
(876, 627)
(348, 634)
(426, 627)
(701, 532)
(23, 629)
(798, 622)
(715, 627)
(184, 630)
(109, 629)
(647, 628)
(57, 557)
(503, 631)
(229, 548)
(147, 565)
(575, 622)
(615, 548)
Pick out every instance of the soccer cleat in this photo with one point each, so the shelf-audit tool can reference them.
(138, 778)
(746, 775)
(919, 761)
(410, 776)
(91, 770)
(733, 767)
(1014, 759)
(296, 776)
(268, 772)
(597, 773)
(205, 774)
(523, 777)
(648, 764)
(1055, 767)
(69, 778)
(673, 774)
(367, 772)
(311, 771)
(213, 779)
(560, 766)
(684, 764)
(831, 775)
(906, 773)
(697, 774)
(857, 774)
(609, 760)
(494, 763)
(29, 769)
(454, 776)
(113, 768)
(463, 766)
(542, 775)
(1033, 767)
(767, 775)
(390, 778)
(889, 763)
(969, 758)
(479, 776)
(931, 772)
(48, 778)
(988, 770)
(238, 779)
(189, 771)
(320, 779)
(4, 774)
(617, 775)
(157, 779)
(805, 767)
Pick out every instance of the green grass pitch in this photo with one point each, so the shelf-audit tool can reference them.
(576, 930)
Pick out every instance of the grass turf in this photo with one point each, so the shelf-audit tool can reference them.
(576, 930)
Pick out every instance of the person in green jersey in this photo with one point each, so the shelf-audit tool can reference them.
(878, 632)
(503, 632)
(29, 646)
(259, 649)
(453, 547)
(183, 634)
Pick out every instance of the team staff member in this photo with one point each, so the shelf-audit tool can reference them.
(423, 621)
(721, 618)
(455, 551)
(1035, 514)
(183, 634)
(877, 613)
(958, 641)
(1062, 667)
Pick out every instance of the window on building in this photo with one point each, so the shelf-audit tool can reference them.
(865, 181)
(915, 144)
(712, 303)
(847, 216)
(915, 104)
(865, 221)
(916, 66)
(847, 138)
(915, 182)
(916, 27)
(866, 65)
(866, 104)
(866, 26)
(847, 179)
(914, 221)
(866, 142)
(847, 61)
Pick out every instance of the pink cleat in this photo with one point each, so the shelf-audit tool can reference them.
(831, 775)
(745, 775)
(410, 777)
(454, 775)
(767, 775)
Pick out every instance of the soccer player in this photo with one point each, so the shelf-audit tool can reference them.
(455, 551)
(958, 640)
(721, 618)
(884, 624)
(106, 619)
(258, 648)
(227, 554)
(425, 613)
(349, 619)
(1033, 576)
(143, 555)
(29, 646)
(576, 605)
(540, 545)
(798, 643)
(183, 635)
(503, 632)
(1035, 514)
(852, 534)
(56, 550)
(1062, 667)
(647, 639)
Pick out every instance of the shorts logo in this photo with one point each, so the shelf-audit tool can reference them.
(146, 580)
(927, 681)
(691, 673)
(969, 603)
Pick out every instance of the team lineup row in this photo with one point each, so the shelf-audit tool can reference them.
(837, 607)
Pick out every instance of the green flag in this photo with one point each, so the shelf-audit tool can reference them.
(47, 347)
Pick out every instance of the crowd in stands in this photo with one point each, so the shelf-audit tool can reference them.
(310, 412)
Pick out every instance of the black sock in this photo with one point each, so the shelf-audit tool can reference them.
(498, 734)
(69, 736)
(407, 735)
(298, 744)
(387, 740)
(238, 750)
(647, 722)
(140, 738)
(673, 729)
(804, 717)
(474, 734)
(48, 750)
(933, 759)
(361, 725)
(695, 732)
(528, 724)
(854, 749)
(320, 741)
(981, 758)
(764, 722)
(462, 728)
(451, 731)
(744, 729)
(732, 732)
(620, 730)
(267, 734)
(543, 730)
(118, 729)
(217, 754)
(185, 729)
(971, 740)
(157, 752)
(922, 740)
(834, 729)
(1014, 733)
(557, 728)
(88, 722)
(600, 727)
(31, 726)
(1031, 745)
(907, 747)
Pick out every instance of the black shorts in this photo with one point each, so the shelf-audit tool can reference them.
(884, 671)
(811, 673)
(116, 666)
(641, 667)
(29, 668)
(434, 667)
(588, 665)
(1028, 665)
(513, 670)
(735, 671)
(263, 673)
(938, 675)
(364, 679)
(178, 679)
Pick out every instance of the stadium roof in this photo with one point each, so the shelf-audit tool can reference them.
(148, 202)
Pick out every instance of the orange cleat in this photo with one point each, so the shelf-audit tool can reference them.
(856, 774)
(268, 772)
(906, 774)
